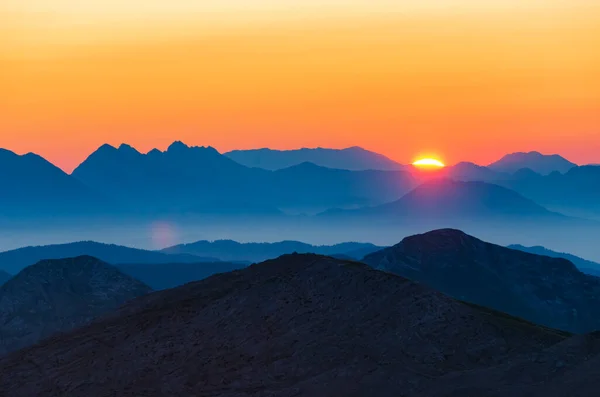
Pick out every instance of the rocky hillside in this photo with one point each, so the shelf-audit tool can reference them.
(300, 325)
(544, 290)
(58, 295)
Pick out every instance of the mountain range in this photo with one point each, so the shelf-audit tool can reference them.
(58, 295)
(280, 328)
(353, 158)
(199, 179)
(541, 289)
(15, 260)
(228, 250)
(535, 161)
(182, 180)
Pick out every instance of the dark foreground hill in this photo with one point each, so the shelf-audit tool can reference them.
(59, 295)
(300, 325)
(544, 290)
(15, 260)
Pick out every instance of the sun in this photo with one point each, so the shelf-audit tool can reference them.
(428, 163)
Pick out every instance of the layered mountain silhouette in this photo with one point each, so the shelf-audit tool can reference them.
(584, 265)
(444, 199)
(180, 179)
(59, 295)
(469, 172)
(541, 289)
(15, 260)
(353, 158)
(279, 328)
(535, 161)
(577, 191)
(161, 276)
(229, 250)
(31, 187)
(186, 179)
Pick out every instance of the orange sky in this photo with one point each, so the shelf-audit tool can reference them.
(455, 78)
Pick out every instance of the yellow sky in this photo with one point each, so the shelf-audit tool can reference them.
(468, 80)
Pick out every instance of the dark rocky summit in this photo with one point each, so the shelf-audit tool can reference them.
(59, 295)
(544, 290)
(300, 325)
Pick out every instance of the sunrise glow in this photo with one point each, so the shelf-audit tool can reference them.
(428, 163)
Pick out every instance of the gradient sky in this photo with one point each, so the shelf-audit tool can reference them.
(461, 79)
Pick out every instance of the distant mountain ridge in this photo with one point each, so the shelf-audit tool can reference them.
(58, 295)
(448, 199)
(541, 289)
(535, 161)
(229, 250)
(15, 260)
(584, 265)
(353, 158)
(33, 187)
(186, 179)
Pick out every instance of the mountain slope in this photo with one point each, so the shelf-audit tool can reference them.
(535, 161)
(59, 295)
(15, 260)
(279, 328)
(4, 277)
(229, 250)
(161, 276)
(582, 264)
(353, 158)
(544, 290)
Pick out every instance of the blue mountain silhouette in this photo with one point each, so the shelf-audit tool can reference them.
(540, 163)
(584, 265)
(229, 250)
(448, 199)
(33, 187)
(200, 179)
(353, 158)
(15, 260)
